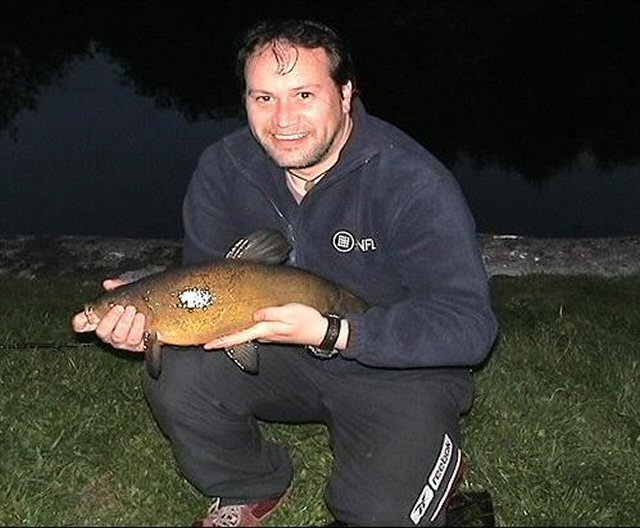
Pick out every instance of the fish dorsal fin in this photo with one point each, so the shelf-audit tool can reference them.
(245, 355)
(266, 245)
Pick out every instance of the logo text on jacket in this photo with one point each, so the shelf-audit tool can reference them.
(344, 242)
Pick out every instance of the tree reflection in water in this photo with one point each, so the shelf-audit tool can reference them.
(528, 85)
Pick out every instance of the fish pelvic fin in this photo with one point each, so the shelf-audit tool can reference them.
(152, 354)
(245, 355)
(267, 246)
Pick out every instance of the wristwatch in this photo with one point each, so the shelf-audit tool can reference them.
(326, 349)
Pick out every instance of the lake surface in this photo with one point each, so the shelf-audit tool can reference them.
(533, 105)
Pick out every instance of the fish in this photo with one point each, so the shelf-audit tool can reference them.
(194, 304)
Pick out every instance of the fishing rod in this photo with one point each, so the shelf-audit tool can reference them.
(17, 346)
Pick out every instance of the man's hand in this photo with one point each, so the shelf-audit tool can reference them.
(292, 323)
(122, 328)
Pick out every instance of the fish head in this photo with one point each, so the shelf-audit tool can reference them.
(97, 309)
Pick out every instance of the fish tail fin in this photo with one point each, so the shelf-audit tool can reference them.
(245, 356)
(268, 246)
(348, 302)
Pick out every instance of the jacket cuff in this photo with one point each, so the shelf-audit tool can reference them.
(356, 342)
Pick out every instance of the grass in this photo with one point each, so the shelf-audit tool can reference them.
(554, 434)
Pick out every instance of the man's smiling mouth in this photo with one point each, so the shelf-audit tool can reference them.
(289, 137)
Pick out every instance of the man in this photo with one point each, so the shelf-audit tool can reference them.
(367, 207)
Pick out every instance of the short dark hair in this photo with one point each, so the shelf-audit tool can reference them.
(303, 33)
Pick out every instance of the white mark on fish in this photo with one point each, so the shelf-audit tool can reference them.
(194, 298)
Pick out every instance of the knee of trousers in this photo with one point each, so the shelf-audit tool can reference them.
(190, 383)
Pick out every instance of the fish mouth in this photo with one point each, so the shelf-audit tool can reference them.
(89, 313)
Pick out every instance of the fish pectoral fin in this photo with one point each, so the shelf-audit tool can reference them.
(266, 245)
(245, 355)
(152, 354)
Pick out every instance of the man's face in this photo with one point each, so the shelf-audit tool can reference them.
(301, 118)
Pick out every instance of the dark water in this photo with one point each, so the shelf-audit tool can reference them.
(106, 106)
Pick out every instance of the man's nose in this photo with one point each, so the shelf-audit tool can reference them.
(285, 115)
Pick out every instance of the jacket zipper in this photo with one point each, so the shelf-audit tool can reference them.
(289, 234)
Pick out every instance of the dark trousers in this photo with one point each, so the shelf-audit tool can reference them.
(395, 433)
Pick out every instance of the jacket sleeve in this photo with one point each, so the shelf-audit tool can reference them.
(444, 317)
(207, 222)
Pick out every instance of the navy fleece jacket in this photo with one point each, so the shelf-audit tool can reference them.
(388, 222)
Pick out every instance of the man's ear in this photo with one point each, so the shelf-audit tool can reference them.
(347, 94)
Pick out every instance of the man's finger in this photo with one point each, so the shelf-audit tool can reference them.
(123, 327)
(136, 334)
(112, 284)
(253, 333)
(109, 321)
(80, 323)
(266, 314)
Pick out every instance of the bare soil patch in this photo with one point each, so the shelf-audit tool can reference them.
(94, 258)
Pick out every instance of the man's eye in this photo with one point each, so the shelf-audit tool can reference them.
(263, 98)
(305, 95)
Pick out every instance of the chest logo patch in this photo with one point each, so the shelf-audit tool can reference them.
(344, 242)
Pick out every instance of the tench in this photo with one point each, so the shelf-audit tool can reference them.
(192, 305)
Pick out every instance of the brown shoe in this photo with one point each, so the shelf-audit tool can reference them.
(252, 514)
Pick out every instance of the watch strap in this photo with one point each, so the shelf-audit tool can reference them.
(332, 333)
(326, 349)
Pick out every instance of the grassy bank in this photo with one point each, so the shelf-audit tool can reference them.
(554, 434)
